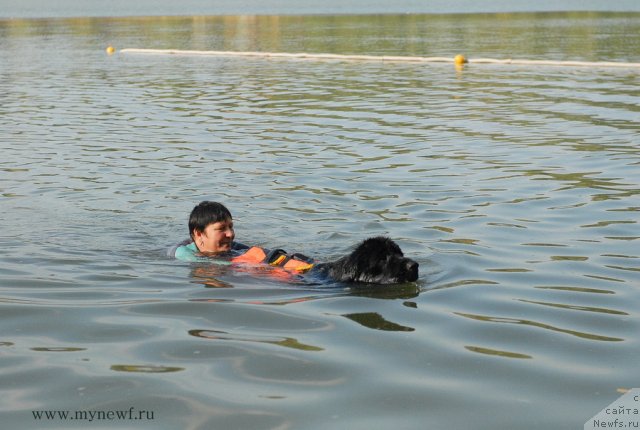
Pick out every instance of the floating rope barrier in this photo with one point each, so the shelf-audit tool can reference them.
(458, 59)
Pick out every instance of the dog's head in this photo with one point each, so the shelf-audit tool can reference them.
(378, 260)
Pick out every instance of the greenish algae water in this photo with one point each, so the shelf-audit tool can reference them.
(515, 188)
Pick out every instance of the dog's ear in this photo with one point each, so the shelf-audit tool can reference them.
(382, 245)
(392, 247)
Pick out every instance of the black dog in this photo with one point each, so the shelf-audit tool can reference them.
(377, 260)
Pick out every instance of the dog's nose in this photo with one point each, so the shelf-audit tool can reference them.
(412, 271)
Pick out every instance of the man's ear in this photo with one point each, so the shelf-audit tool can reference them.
(197, 234)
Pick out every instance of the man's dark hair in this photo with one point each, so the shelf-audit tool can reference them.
(207, 213)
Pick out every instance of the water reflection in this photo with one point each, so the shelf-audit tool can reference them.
(57, 349)
(287, 342)
(376, 321)
(412, 34)
(495, 352)
(576, 307)
(136, 368)
(386, 292)
(208, 275)
(529, 323)
(577, 289)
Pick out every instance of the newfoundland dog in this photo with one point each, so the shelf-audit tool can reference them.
(377, 260)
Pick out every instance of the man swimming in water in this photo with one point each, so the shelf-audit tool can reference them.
(377, 260)
(211, 233)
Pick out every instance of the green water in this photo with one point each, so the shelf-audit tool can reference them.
(515, 188)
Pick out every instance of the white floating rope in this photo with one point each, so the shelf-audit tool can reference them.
(458, 59)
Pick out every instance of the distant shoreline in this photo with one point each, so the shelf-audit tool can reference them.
(42, 9)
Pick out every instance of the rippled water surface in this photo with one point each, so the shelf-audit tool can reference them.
(515, 188)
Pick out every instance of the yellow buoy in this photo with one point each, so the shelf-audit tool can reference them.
(110, 49)
(459, 60)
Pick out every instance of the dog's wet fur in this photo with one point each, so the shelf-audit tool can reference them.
(377, 260)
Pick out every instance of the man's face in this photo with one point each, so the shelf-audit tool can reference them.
(215, 238)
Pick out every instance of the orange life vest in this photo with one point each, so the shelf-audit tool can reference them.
(278, 258)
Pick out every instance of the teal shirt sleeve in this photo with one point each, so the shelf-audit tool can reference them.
(188, 252)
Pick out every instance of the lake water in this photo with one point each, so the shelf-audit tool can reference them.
(100, 8)
(515, 188)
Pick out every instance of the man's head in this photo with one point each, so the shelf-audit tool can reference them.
(211, 227)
